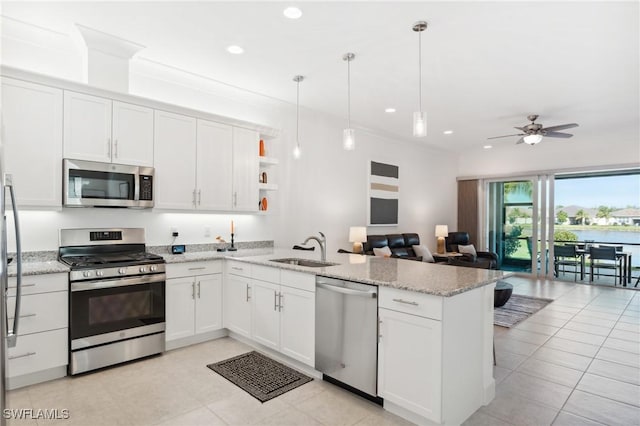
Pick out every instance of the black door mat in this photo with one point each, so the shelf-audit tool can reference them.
(262, 377)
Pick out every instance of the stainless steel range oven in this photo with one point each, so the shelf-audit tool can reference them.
(116, 297)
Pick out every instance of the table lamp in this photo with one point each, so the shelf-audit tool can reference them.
(357, 235)
(441, 232)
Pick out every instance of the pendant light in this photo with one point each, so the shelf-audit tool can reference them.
(348, 134)
(420, 117)
(296, 150)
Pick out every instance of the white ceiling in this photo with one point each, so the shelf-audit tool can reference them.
(486, 65)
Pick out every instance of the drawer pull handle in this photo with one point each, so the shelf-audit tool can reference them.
(23, 285)
(406, 302)
(22, 355)
(198, 269)
(235, 268)
(23, 316)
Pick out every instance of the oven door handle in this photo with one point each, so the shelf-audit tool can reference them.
(120, 282)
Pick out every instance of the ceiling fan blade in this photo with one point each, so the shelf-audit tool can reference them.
(520, 128)
(521, 140)
(560, 127)
(557, 135)
(505, 136)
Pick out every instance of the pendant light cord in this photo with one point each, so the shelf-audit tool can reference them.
(420, 68)
(349, 93)
(298, 113)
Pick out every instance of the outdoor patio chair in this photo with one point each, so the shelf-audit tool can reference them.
(565, 256)
(605, 257)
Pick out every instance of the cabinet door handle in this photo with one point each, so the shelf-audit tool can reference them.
(198, 289)
(275, 301)
(199, 196)
(193, 197)
(235, 199)
(248, 296)
(109, 148)
(379, 330)
(23, 316)
(115, 148)
(22, 355)
(406, 302)
(193, 291)
(280, 297)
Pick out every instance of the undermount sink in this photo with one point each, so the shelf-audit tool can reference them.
(304, 262)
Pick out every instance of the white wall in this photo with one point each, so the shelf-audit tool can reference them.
(325, 190)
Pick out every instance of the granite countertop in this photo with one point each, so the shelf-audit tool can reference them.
(429, 278)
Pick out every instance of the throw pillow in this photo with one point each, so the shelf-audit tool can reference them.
(424, 252)
(469, 250)
(382, 252)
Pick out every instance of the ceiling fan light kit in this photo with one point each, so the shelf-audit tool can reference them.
(420, 117)
(533, 132)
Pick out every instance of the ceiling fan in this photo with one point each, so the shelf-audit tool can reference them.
(533, 132)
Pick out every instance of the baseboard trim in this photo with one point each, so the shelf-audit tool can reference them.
(198, 338)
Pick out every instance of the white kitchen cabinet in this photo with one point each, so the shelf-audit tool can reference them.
(245, 169)
(132, 134)
(32, 141)
(214, 166)
(194, 299)
(42, 350)
(284, 315)
(97, 129)
(409, 359)
(175, 161)
(237, 304)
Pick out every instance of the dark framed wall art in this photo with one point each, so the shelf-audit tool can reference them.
(383, 194)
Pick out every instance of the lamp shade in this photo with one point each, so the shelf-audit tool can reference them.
(357, 234)
(442, 230)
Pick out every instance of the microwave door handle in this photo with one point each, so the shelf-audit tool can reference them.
(12, 336)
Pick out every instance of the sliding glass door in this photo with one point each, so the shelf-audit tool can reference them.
(517, 222)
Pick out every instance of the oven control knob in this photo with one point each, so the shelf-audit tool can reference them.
(143, 269)
(153, 268)
(122, 271)
(86, 274)
(99, 273)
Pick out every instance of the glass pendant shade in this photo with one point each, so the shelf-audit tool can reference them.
(532, 139)
(420, 124)
(349, 139)
(296, 152)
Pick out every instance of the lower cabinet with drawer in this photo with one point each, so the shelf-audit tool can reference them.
(194, 300)
(434, 364)
(41, 352)
(283, 315)
(237, 290)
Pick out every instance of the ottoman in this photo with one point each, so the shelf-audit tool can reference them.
(502, 293)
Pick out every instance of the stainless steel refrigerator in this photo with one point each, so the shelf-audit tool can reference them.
(9, 337)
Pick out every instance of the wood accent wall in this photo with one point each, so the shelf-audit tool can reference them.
(468, 209)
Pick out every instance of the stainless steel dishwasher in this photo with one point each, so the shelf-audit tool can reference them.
(347, 335)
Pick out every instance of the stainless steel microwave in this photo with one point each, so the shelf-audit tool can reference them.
(95, 184)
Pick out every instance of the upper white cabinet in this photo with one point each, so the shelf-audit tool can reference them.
(175, 161)
(32, 141)
(132, 134)
(98, 129)
(245, 169)
(214, 166)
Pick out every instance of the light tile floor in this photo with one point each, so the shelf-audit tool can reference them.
(577, 361)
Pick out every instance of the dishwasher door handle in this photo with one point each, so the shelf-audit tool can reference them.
(371, 294)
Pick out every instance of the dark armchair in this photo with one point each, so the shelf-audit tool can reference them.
(484, 259)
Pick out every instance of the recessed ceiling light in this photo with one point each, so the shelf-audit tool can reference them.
(236, 50)
(292, 13)
(448, 132)
(488, 146)
(389, 110)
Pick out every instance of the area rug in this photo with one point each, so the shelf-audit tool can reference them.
(518, 308)
(260, 376)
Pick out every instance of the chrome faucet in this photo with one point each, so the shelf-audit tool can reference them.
(323, 245)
